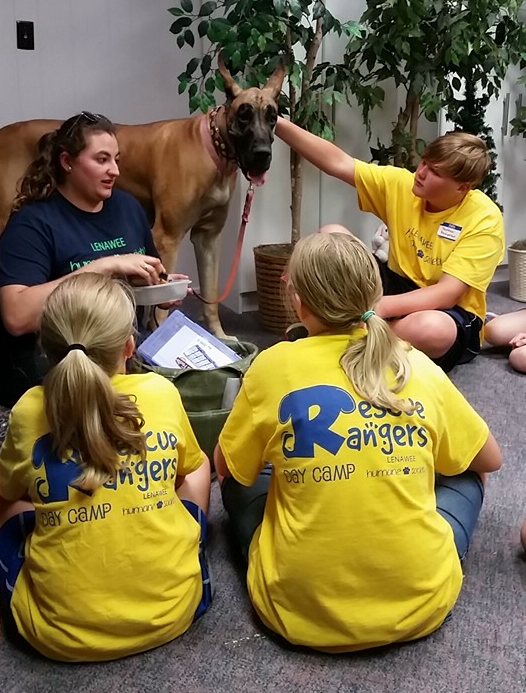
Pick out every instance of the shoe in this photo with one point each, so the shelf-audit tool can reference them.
(295, 331)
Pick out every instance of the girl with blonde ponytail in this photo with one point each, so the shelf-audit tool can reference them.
(103, 472)
(328, 463)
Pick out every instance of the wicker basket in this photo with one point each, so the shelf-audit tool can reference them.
(517, 271)
(271, 262)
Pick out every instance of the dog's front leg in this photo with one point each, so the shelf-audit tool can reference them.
(207, 250)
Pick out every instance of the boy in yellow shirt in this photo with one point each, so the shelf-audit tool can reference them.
(445, 238)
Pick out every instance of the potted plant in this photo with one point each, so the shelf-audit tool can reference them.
(253, 35)
(517, 270)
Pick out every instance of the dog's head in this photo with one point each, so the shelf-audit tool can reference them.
(251, 116)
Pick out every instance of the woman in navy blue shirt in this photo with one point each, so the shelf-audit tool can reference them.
(67, 218)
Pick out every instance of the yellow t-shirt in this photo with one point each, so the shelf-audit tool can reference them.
(466, 241)
(352, 552)
(116, 572)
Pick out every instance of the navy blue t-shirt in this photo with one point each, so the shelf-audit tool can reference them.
(50, 238)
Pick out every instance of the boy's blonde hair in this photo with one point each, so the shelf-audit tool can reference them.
(84, 412)
(338, 281)
(460, 156)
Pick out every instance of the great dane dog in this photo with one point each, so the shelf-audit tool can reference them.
(182, 171)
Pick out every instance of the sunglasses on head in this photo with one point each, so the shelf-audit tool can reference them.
(83, 115)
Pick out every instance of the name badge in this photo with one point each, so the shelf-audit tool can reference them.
(449, 231)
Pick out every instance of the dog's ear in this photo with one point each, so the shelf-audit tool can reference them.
(232, 89)
(275, 81)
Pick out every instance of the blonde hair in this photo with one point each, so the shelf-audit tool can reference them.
(338, 281)
(84, 412)
(460, 156)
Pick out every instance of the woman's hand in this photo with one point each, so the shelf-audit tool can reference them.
(519, 340)
(138, 269)
(173, 304)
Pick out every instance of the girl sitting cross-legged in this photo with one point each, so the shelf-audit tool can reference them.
(103, 492)
(352, 468)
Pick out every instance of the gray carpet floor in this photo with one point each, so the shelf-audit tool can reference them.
(482, 649)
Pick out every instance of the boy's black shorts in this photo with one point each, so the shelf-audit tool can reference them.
(469, 325)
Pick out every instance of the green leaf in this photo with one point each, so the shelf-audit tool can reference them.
(180, 41)
(189, 38)
(176, 11)
(187, 5)
(295, 9)
(327, 133)
(192, 66)
(218, 30)
(206, 62)
(202, 28)
(183, 83)
(210, 85)
(328, 22)
(204, 103)
(353, 29)
(180, 24)
(235, 59)
(328, 96)
(295, 75)
(279, 6)
(207, 8)
(319, 10)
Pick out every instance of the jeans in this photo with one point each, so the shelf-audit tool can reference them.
(459, 500)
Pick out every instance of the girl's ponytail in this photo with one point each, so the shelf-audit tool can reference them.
(337, 279)
(86, 323)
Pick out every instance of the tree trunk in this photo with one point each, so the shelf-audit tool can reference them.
(413, 129)
(409, 114)
(296, 161)
(296, 184)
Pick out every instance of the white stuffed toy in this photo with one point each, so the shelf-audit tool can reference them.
(380, 243)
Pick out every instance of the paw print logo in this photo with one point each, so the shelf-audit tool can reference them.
(406, 470)
(159, 504)
(420, 253)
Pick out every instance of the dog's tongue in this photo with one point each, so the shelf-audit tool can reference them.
(257, 178)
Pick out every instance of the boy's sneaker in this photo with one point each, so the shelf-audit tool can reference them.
(295, 331)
